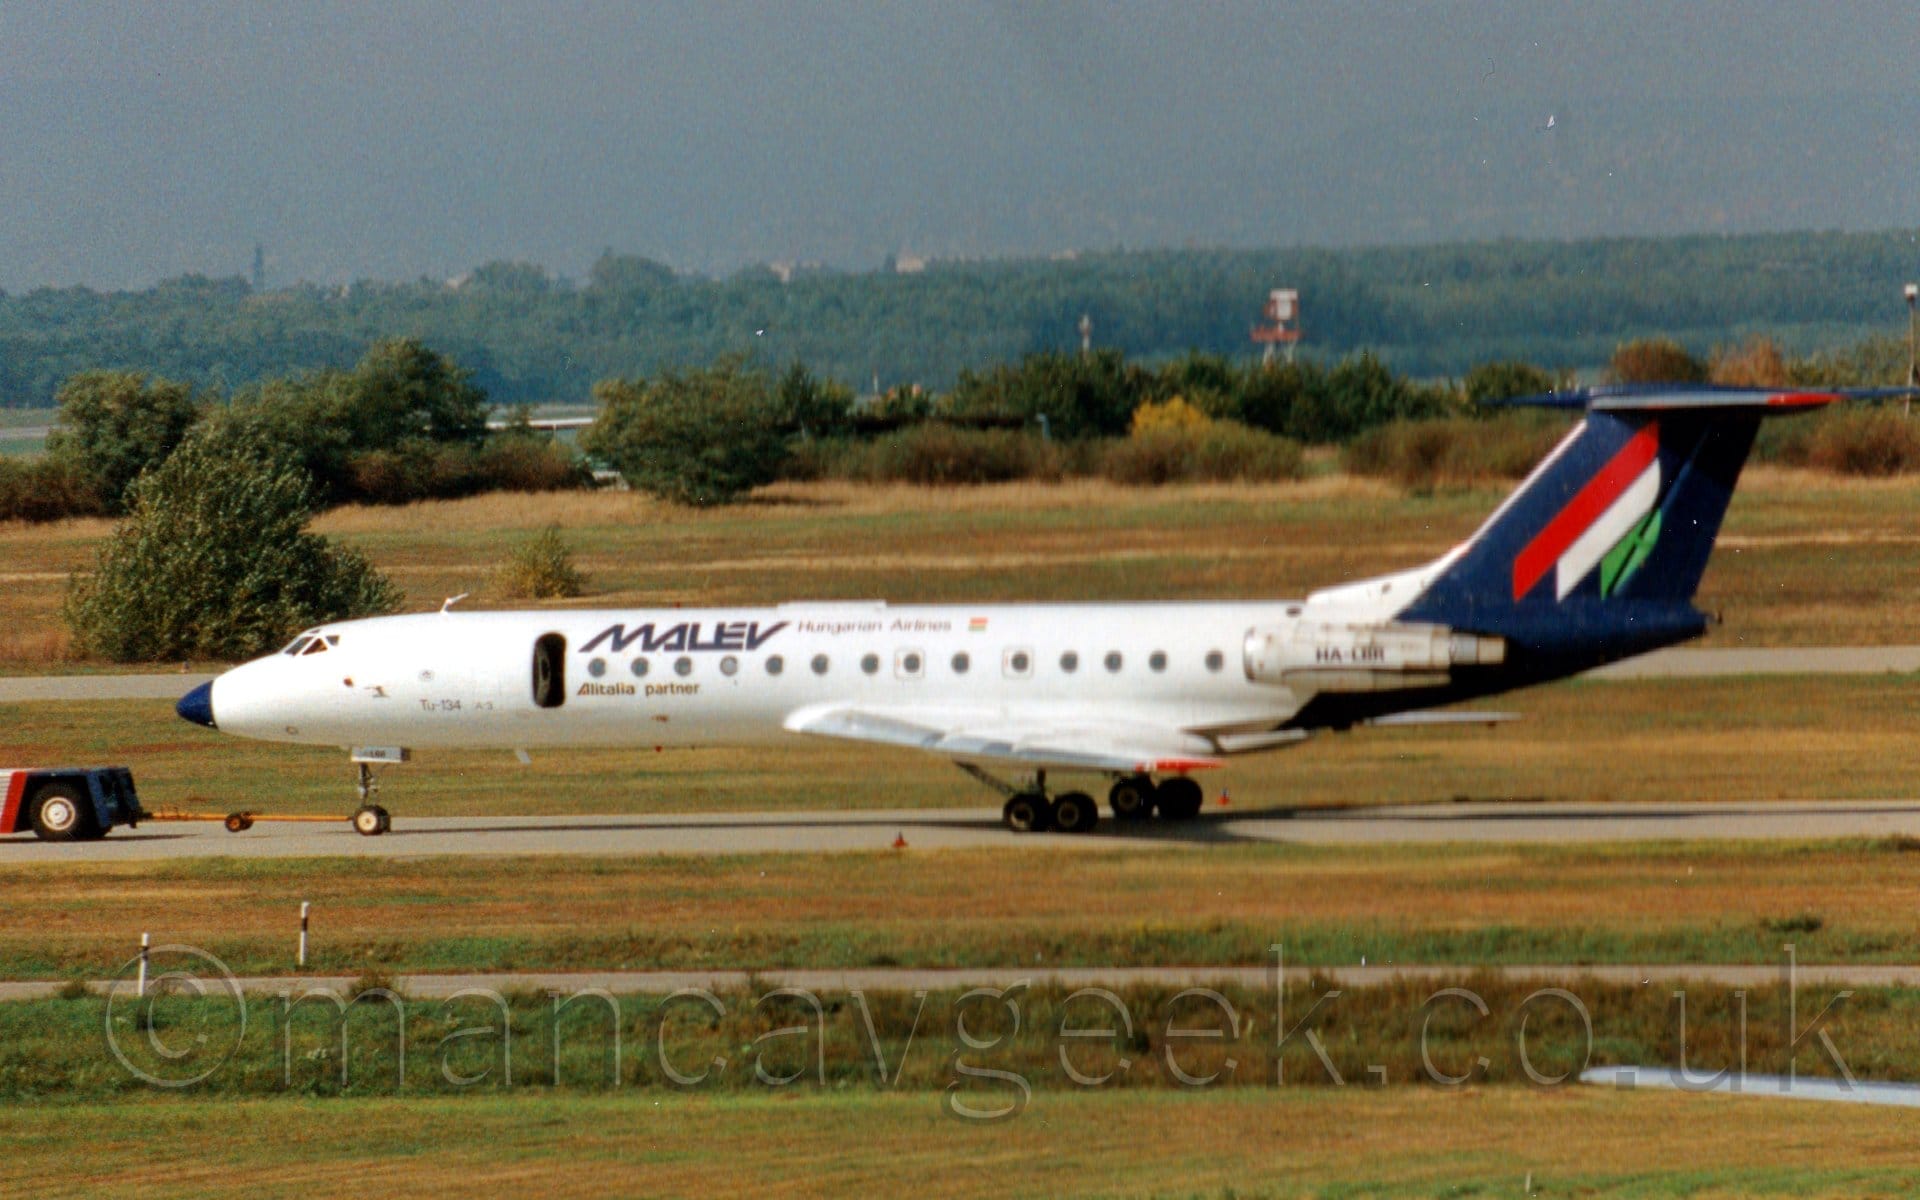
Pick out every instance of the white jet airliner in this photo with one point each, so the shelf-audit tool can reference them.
(1595, 557)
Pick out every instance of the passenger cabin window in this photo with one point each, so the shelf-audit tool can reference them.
(820, 664)
(961, 662)
(1157, 660)
(1069, 662)
(907, 664)
(550, 670)
(870, 663)
(1017, 664)
(1215, 660)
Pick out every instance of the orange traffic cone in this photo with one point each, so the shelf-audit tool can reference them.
(900, 841)
(1226, 798)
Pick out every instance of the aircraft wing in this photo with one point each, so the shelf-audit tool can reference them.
(1090, 744)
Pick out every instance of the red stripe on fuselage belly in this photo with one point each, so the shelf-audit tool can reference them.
(1539, 555)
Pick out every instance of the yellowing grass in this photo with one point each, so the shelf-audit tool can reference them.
(1807, 559)
(1018, 906)
(1300, 1142)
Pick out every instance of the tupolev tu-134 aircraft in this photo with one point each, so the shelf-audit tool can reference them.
(1594, 557)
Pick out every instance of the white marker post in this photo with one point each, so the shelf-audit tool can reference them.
(303, 933)
(140, 983)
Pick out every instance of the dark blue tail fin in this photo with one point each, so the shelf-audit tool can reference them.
(1598, 553)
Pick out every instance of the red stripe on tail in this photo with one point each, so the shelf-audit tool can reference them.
(1539, 555)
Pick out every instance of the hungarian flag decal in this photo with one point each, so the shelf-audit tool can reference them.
(1611, 510)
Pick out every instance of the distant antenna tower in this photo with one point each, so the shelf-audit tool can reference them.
(1086, 335)
(259, 267)
(1283, 328)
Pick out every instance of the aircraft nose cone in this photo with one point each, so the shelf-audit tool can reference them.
(197, 706)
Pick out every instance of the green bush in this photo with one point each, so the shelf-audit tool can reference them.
(1491, 382)
(46, 489)
(823, 458)
(1849, 441)
(1878, 360)
(1278, 396)
(1078, 394)
(213, 561)
(1655, 360)
(400, 389)
(399, 397)
(511, 463)
(1358, 393)
(942, 456)
(116, 424)
(541, 569)
(413, 470)
(810, 406)
(1210, 383)
(1221, 451)
(701, 437)
(1423, 455)
(421, 470)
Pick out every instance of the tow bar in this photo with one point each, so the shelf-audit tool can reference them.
(236, 822)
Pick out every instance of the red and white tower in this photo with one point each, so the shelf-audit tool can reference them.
(1283, 327)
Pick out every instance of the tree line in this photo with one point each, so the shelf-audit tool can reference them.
(526, 336)
(408, 423)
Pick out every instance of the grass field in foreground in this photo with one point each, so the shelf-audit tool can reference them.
(986, 1051)
(1806, 737)
(1484, 1142)
(1223, 905)
(1805, 559)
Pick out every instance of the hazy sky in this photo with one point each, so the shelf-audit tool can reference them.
(389, 140)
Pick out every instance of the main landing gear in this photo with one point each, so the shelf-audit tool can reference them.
(1035, 812)
(369, 820)
(1031, 808)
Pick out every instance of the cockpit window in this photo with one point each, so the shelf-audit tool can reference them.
(308, 643)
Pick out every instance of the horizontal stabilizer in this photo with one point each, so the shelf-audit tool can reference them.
(1670, 397)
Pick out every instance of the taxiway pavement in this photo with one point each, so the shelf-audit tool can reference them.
(931, 829)
(628, 983)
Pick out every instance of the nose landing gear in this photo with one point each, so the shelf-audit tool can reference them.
(369, 820)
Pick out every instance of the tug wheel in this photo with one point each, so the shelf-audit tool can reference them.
(60, 814)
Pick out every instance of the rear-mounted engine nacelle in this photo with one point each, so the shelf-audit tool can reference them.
(1364, 658)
